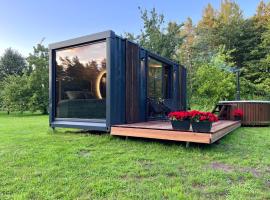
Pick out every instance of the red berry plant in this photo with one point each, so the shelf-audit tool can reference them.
(199, 116)
(179, 115)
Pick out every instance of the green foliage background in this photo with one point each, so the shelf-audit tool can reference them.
(26, 89)
(223, 40)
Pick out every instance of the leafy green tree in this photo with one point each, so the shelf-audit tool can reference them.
(213, 81)
(262, 14)
(208, 20)
(220, 27)
(244, 39)
(16, 93)
(265, 61)
(251, 51)
(187, 52)
(229, 12)
(39, 79)
(157, 37)
(11, 63)
(206, 32)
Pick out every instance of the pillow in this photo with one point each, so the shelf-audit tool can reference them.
(75, 95)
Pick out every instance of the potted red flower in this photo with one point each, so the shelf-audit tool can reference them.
(238, 114)
(202, 121)
(180, 120)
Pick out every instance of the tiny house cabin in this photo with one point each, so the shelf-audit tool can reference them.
(101, 80)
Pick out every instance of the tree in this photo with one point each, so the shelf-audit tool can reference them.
(39, 79)
(11, 63)
(220, 27)
(264, 66)
(229, 12)
(187, 48)
(208, 18)
(206, 31)
(229, 29)
(187, 52)
(256, 41)
(262, 13)
(213, 80)
(16, 93)
(157, 37)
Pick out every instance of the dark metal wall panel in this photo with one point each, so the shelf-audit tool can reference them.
(83, 39)
(183, 87)
(109, 65)
(176, 86)
(132, 82)
(51, 86)
(143, 85)
(117, 82)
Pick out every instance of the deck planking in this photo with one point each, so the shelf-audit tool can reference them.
(163, 130)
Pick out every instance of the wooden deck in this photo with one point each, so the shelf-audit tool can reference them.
(163, 130)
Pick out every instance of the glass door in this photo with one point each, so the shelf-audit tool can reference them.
(159, 88)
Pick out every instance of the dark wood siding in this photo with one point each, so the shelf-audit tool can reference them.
(255, 113)
(132, 82)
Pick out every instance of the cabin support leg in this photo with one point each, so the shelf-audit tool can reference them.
(187, 144)
(126, 138)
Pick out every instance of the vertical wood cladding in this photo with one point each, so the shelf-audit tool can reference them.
(255, 113)
(132, 82)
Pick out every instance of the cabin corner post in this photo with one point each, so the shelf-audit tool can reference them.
(146, 107)
(51, 86)
(183, 87)
(109, 52)
(143, 85)
(176, 83)
(115, 103)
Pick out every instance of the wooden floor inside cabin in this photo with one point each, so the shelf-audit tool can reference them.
(163, 130)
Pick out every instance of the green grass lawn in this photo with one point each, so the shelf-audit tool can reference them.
(38, 164)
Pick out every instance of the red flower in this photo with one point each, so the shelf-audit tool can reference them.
(179, 115)
(194, 115)
(203, 116)
(238, 113)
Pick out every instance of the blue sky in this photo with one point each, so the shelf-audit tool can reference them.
(25, 23)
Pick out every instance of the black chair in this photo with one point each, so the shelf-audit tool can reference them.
(159, 107)
(168, 106)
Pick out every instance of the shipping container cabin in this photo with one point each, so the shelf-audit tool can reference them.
(101, 80)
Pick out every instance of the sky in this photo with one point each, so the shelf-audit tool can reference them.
(23, 23)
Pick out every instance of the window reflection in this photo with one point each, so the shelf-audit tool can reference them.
(159, 80)
(159, 85)
(154, 79)
(81, 82)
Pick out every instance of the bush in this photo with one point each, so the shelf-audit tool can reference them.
(16, 93)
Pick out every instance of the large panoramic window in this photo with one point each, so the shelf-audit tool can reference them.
(81, 82)
(159, 80)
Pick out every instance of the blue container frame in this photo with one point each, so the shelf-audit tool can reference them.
(115, 87)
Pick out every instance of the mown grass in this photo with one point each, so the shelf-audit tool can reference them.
(38, 164)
